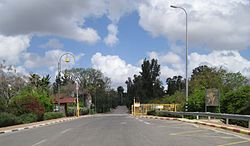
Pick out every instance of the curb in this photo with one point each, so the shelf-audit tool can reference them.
(237, 130)
(56, 121)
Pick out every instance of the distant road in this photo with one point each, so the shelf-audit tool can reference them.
(119, 129)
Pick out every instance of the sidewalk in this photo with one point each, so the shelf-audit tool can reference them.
(211, 123)
(37, 124)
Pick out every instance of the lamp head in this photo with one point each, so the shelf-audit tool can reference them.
(67, 60)
(172, 6)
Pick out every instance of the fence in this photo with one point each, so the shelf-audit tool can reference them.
(209, 115)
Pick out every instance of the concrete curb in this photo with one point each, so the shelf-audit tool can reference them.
(50, 122)
(238, 130)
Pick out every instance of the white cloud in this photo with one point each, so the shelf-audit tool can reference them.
(64, 18)
(169, 58)
(111, 39)
(114, 67)
(119, 8)
(232, 61)
(51, 17)
(50, 60)
(213, 24)
(53, 44)
(12, 48)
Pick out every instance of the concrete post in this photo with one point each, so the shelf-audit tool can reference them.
(227, 120)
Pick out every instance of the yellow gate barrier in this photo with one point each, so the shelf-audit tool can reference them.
(142, 109)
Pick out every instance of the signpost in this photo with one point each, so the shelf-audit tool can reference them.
(212, 98)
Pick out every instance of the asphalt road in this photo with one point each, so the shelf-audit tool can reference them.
(122, 130)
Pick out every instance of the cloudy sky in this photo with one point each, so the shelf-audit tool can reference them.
(114, 36)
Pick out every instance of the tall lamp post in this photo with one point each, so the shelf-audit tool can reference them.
(177, 7)
(67, 60)
(77, 100)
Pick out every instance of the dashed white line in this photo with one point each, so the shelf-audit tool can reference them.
(147, 123)
(39, 142)
(64, 131)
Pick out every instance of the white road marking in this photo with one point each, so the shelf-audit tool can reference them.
(64, 131)
(39, 142)
(147, 123)
(123, 123)
(140, 120)
(217, 131)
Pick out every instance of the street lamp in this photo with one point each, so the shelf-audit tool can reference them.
(177, 7)
(67, 60)
(77, 99)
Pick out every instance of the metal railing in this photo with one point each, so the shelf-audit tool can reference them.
(209, 115)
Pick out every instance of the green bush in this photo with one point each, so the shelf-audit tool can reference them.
(70, 112)
(52, 115)
(7, 119)
(84, 111)
(26, 104)
(28, 118)
(151, 112)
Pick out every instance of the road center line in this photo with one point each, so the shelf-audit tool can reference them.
(39, 142)
(64, 131)
(186, 132)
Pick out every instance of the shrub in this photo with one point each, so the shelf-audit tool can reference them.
(52, 115)
(28, 118)
(84, 111)
(26, 104)
(7, 119)
(70, 112)
(151, 112)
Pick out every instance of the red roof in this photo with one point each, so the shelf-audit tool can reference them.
(65, 100)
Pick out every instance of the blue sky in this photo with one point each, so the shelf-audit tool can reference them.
(115, 36)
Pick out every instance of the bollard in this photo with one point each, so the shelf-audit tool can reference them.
(182, 116)
(249, 124)
(197, 117)
(209, 117)
(227, 120)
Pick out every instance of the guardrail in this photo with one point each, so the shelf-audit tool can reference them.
(209, 115)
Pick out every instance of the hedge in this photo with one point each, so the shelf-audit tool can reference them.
(7, 119)
(52, 115)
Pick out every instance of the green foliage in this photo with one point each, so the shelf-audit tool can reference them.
(151, 112)
(26, 104)
(175, 84)
(52, 115)
(3, 104)
(7, 119)
(71, 111)
(196, 100)
(38, 94)
(84, 111)
(146, 86)
(27, 118)
(237, 101)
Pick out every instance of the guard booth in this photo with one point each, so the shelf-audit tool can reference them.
(63, 103)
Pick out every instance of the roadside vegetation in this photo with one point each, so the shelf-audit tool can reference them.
(26, 99)
(234, 89)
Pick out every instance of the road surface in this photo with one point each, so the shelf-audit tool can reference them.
(122, 130)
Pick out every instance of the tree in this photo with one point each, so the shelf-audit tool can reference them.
(175, 84)
(93, 85)
(237, 101)
(147, 85)
(120, 91)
